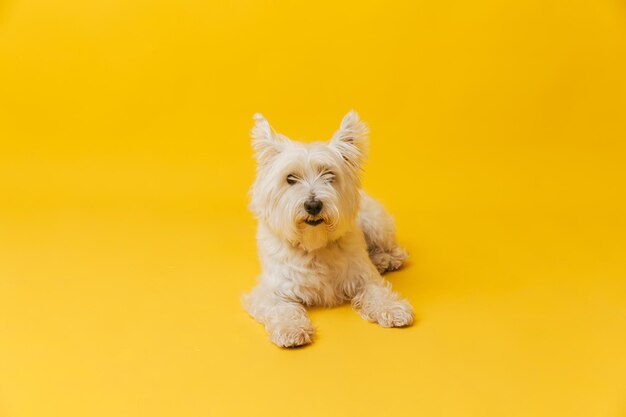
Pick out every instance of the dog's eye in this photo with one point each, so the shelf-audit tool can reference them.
(291, 179)
(328, 176)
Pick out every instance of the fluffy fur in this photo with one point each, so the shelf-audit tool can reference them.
(319, 258)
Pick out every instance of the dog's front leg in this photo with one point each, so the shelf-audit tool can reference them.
(375, 301)
(286, 321)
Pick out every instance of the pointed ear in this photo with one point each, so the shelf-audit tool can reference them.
(351, 140)
(265, 141)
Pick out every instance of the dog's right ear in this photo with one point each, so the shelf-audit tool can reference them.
(265, 141)
(351, 140)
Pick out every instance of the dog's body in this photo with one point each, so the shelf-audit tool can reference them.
(322, 240)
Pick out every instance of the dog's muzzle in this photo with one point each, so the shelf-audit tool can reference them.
(313, 206)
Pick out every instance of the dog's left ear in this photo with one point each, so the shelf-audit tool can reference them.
(265, 141)
(351, 140)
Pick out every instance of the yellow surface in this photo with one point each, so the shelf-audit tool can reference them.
(498, 141)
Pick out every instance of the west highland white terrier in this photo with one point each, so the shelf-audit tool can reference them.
(321, 239)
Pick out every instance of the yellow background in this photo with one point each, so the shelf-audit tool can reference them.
(498, 132)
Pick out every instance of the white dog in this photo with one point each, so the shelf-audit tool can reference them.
(321, 239)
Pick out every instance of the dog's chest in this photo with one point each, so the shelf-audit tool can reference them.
(320, 278)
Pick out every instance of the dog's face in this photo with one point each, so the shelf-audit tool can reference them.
(308, 194)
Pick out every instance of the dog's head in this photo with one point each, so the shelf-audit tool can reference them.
(308, 194)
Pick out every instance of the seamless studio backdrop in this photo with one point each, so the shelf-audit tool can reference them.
(497, 141)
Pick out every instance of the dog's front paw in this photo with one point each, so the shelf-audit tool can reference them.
(290, 335)
(397, 313)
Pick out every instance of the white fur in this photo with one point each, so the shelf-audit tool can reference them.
(327, 264)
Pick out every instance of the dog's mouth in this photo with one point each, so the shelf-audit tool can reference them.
(313, 222)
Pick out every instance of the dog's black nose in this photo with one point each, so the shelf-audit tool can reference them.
(313, 207)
